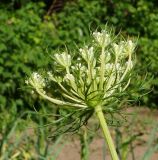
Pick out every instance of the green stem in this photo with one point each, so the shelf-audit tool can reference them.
(84, 145)
(106, 132)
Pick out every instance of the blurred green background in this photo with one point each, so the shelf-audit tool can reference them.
(31, 30)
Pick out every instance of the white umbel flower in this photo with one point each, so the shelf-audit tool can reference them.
(98, 71)
(93, 81)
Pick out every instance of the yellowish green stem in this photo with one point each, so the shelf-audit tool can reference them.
(106, 132)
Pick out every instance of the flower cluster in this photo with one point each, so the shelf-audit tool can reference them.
(102, 69)
(37, 81)
(102, 38)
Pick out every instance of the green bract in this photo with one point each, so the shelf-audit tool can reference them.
(101, 70)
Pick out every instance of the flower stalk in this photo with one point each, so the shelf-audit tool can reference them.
(106, 132)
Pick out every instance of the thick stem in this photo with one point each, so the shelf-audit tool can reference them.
(106, 132)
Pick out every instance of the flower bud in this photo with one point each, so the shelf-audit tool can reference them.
(87, 54)
(102, 38)
(63, 59)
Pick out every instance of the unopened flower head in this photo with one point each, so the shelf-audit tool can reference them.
(92, 78)
(103, 38)
(93, 82)
(37, 81)
(63, 59)
(87, 53)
